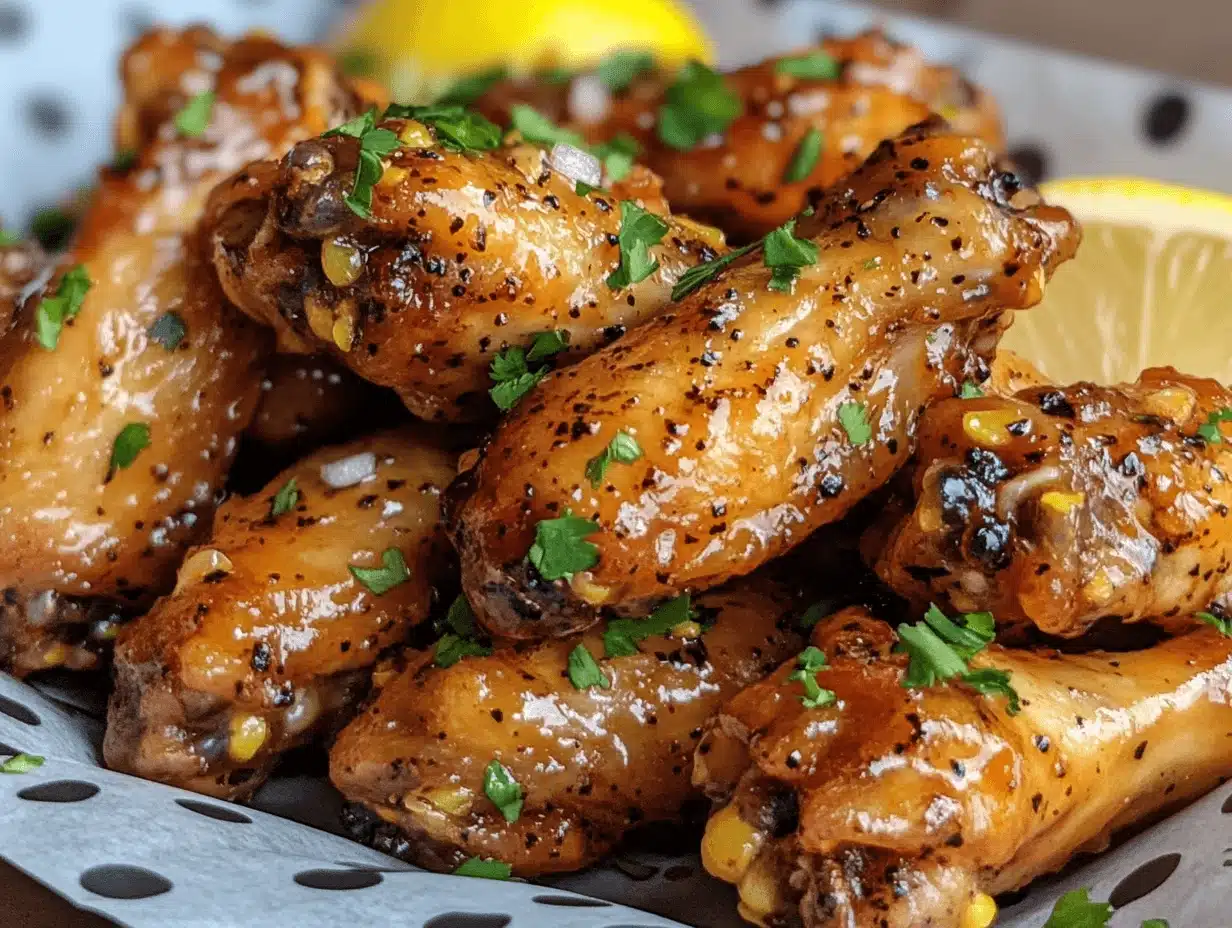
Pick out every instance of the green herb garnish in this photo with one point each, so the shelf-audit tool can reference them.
(639, 229)
(561, 549)
(817, 66)
(1224, 626)
(546, 344)
(168, 330)
(53, 227)
(617, 154)
(1209, 430)
(466, 90)
(618, 70)
(460, 641)
(124, 160)
(940, 648)
(805, 157)
(380, 580)
(699, 104)
(359, 62)
(853, 417)
(457, 128)
(374, 144)
(1076, 910)
(623, 449)
(8, 237)
(970, 390)
(285, 500)
(810, 661)
(581, 188)
(535, 127)
(485, 869)
(785, 254)
(192, 121)
(694, 277)
(584, 670)
(132, 440)
(814, 614)
(22, 763)
(54, 311)
(504, 791)
(510, 369)
(621, 636)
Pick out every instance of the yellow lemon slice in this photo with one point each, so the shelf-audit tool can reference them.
(1151, 285)
(417, 46)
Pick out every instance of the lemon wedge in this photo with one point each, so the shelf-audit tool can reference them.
(1151, 285)
(417, 47)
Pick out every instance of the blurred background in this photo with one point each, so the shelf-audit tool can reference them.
(1087, 86)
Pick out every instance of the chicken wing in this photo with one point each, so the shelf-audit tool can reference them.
(1061, 506)
(901, 807)
(272, 627)
(590, 763)
(759, 410)
(125, 387)
(804, 121)
(21, 262)
(465, 254)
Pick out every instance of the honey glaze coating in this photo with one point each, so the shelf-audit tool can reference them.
(465, 254)
(72, 525)
(900, 808)
(746, 401)
(268, 638)
(1061, 506)
(738, 180)
(592, 763)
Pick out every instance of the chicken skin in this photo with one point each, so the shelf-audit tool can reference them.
(1058, 507)
(901, 808)
(591, 764)
(126, 385)
(465, 254)
(839, 100)
(758, 411)
(269, 636)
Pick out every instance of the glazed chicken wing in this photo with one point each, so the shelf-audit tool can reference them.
(465, 254)
(759, 411)
(127, 384)
(1061, 506)
(901, 808)
(821, 110)
(591, 763)
(268, 638)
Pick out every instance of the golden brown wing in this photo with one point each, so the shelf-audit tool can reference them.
(591, 763)
(760, 414)
(900, 808)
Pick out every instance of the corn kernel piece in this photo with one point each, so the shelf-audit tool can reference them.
(759, 889)
(342, 262)
(729, 845)
(247, 734)
(392, 176)
(201, 564)
(1175, 403)
(55, 656)
(344, 332)
(594, 593)
(980, 912)
(1099, 589)
(416, 135)
(1061, 502)
(320, 318)
(686, 630)
(990, 427)
(451, 800)
(702, 232)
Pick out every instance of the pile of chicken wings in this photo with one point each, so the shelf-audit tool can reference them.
(458, 439)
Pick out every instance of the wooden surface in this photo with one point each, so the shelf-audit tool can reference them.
(25, 903)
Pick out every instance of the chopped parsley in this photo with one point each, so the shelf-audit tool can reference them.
(535, 127)
(54, 311)
(510, 369)
(485, 869)
(699, 104)
(817, 66)
(639, 229)
(1076, 910)
(285, 500)
(617, 154)
(460, 641)
(8, 238)
(809, 662)
(380, 580)
(1209, 430)
(53, 227)
(457, 128)
(581, 188)
(785, 254)
(694, 277)
(354, 128)
(1155, 923)
(132, 440)
(192, 121)
(940, 648)
(805, 157)
(623, 449)
(970, 390)
(618, 70)
(561, 549)
(466, 90)
(22, 763)
(853, 417)
(621, 636)
(168, 330)
(374, 145)
(546, 344)
(584, 670)
(1224, 626)
(124, 160)
(814, 614)
(504, 791)
(359, 62)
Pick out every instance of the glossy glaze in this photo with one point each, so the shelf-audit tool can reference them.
(592, 763)
(736, 180)
(68, 525)
(267, 621)
(734, 394)
(1062, 506)
(895, 807)
(465, 255)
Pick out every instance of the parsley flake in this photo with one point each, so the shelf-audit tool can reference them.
(132, 440)
(54, 311)
(53, 227)
(621, 636)
(808, 663)
(617, 154)
(485, 869)
(466, 90)
(510, 369)
(374, 145)
(940, 648)
(380, 580)
(970, 390)
(814, 614)
(8, 237)
(359, 62)
(561, 549)
(1076, 910)
(816, 66)
(285, 500)
(192, 121)
(22, 763)
(785, 254)
(623, 449)
(1209, 430)
(546, 344)
(124, 160)
(584, 670)
(1224, 626)
(805, 157)
(460, 641)
(1155, 923)
(581, 188)
(699, 104)
(535, 127)
(853, 417)
(639, 229)
(457, 128)
(504, 791)
(168, 330)
(354, 128)
(618, 70)
(700, 274)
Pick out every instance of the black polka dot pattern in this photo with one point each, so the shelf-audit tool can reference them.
(14, 23)
(1146, 879)
(48, 115)
(1166, 119)
(120, 881)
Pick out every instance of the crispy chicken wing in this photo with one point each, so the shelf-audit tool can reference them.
(465, 254)
(269, 635)
(591, 763)
(898, 808)
(149, 362)
(852, 92)
(1061, 506)
(759, 414)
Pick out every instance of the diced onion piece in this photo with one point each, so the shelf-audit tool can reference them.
(576, 164)
(347, 472)
(589, 100)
